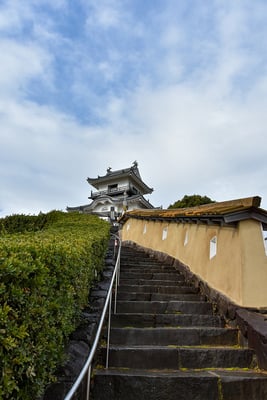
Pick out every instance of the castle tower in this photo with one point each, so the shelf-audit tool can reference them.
(116, 192)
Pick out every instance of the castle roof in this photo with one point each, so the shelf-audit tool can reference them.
(113, 200)
(226, 212)
(131, 173)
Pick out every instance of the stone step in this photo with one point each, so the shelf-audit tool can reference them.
(149, 268)
(161, 307)
(131, 296)
(149, 275)
(167, 344)
(157, 289)
(140, 256)
(139, 260)
(157, 320)
(121, 384)
(131, 254)
(142, 282)
(170, 336)
(163, 357)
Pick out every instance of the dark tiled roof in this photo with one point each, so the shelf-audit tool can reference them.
(132, 172)
(226, 212)
(113, 201)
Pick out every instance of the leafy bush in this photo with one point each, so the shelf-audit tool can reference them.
(191, 201)
(20, 223)
(45, 277)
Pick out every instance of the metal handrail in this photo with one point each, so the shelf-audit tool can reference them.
(88, 364)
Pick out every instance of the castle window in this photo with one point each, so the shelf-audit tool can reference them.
(264, 237)
(213, 247)
(113, 188)
(164, 233)
(144, 230)
(186, 238)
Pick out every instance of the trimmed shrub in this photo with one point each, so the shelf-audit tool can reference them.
(20, 223)
(45, 278)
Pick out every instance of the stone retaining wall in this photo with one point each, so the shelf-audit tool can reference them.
(79, 345)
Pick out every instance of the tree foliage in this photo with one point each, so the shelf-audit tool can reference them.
(191, 201)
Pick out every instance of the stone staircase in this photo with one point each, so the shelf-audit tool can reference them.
(166, 343)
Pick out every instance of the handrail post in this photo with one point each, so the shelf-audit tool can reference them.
(88, 382)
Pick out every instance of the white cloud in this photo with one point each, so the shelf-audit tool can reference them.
(172, 37)
(12, 15)
(104, 13)
(20, 62)
(183, 93)
(43, 159)
(188, 141)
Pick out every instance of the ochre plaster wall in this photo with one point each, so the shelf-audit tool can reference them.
(239, 268)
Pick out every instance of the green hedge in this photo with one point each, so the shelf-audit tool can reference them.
(45, 277)
(20, 223)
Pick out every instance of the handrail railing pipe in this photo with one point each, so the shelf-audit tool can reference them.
(88, 364)
(117, 250)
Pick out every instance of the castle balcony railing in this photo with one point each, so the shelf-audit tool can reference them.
(110, 191)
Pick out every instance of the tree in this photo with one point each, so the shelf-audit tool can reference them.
(191, 201)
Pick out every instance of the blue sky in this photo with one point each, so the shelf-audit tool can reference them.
(178, 85)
